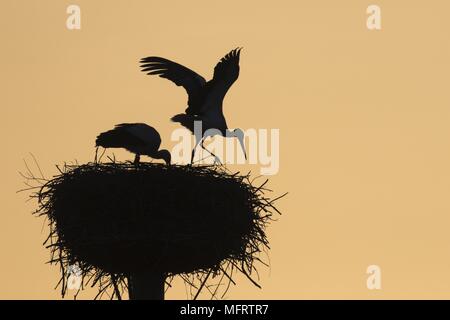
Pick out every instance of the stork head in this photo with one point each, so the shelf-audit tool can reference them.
(239, 134)
(164, 155)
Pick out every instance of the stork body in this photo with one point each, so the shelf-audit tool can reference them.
(205, 99)
(138, 138)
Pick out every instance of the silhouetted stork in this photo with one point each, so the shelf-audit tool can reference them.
(205, 98)
(137, 138)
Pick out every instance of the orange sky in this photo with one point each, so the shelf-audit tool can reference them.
(363, 118)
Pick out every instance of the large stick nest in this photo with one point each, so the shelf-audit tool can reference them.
(115, 219)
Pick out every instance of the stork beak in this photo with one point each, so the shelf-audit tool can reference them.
(241, 141)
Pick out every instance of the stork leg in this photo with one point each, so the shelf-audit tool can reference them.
(137, 159)
(216, 159)
(195, 147)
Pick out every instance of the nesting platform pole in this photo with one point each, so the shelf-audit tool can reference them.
(146, 286)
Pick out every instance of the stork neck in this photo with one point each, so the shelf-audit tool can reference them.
(156, 155)
(161, 154)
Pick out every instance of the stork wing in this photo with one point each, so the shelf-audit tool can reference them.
(141, 132)
(226, 71)
(173, 71)
(225, 74)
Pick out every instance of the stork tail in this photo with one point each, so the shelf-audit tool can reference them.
(186, 120)
(110, 139)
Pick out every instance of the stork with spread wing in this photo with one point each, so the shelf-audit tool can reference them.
(205, 98)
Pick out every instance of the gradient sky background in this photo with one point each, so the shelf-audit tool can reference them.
(363, 118)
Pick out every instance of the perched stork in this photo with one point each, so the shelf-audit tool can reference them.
(138, 138)
(205, 98)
